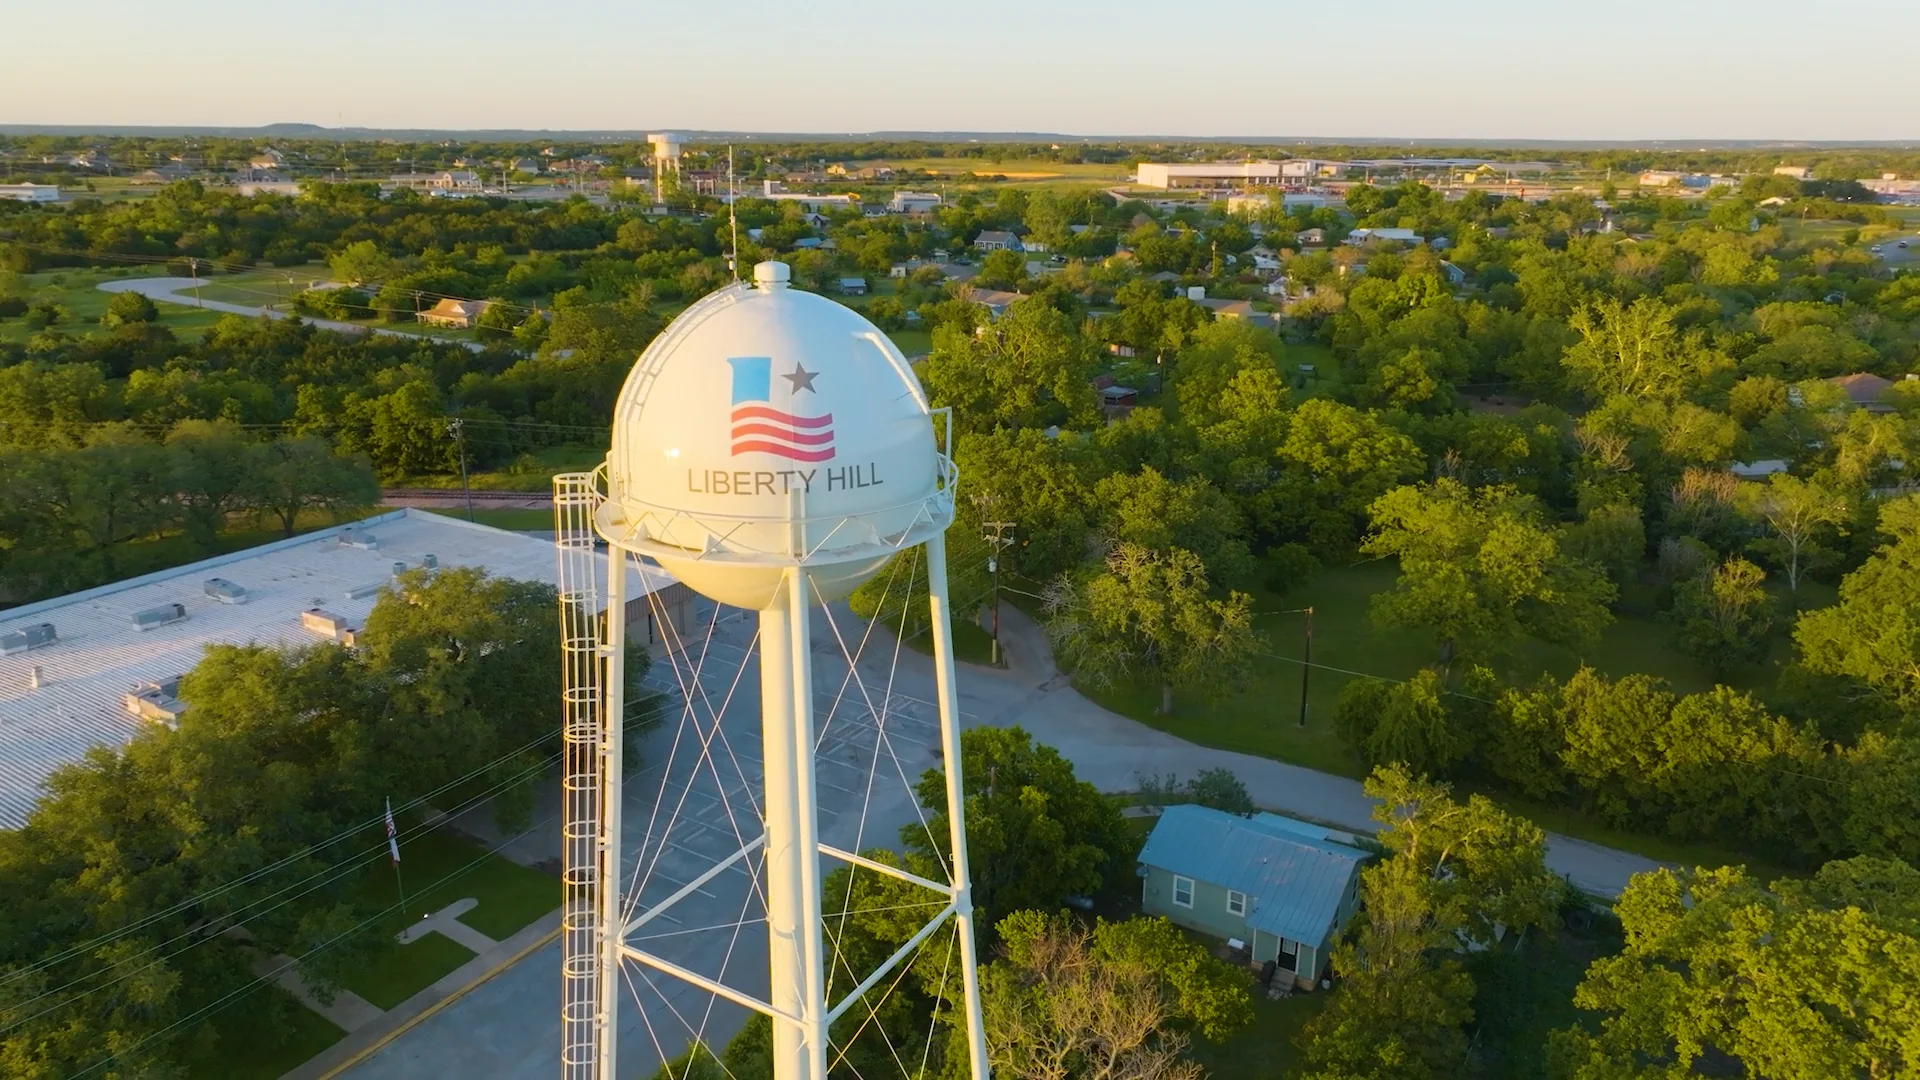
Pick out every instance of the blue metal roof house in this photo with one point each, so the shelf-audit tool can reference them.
(1282, 887)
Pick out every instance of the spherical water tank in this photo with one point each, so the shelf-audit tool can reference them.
(767, 428)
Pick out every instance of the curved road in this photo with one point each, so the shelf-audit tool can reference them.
(166, 290)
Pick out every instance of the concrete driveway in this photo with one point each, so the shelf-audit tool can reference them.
(167, 290)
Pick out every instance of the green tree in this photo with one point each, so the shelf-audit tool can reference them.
(1219, 352)
(361, 263)
(129, 307)
(1148, 616)
(302, 474)
(1873, 633)
(217, 473)
(1106, 1005)
(1336, 460)
(1148, 510)
(1036, 834)
(1723, 616)
(1221, 790)
(1705, 977)
(1028, 369)
(1002, 269)
(1385, 722)
(1480, 572)
(1798, 515)
(1634, 350)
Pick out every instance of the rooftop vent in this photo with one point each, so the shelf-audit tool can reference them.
(432, 561)
(399, 568)
(358, 592)
(26, 637)
(328, 625)
(359, 538)
(225, 591)
(156, 701)
(159, 616)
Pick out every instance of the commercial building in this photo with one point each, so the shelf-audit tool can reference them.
(1275, 888)
(1209, 174)
(913, 202)
(1290, 200)
(93, 668)
(30, 192)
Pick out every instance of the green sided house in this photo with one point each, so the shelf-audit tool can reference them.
(1282, 888)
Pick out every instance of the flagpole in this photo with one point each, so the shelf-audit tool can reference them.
(393, 850)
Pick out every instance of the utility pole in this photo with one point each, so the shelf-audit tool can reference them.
(1306, 666)
(999, 539)
(455, 429)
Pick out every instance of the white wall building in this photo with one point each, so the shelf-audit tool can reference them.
(1385, 236)
(30, 192)
(913, 202)
(1254, 204)
(1208, 174)
(102, 677)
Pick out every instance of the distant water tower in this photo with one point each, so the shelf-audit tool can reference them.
(666, 152)
(773, 450)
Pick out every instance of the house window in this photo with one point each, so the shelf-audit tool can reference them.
(1182, 891)
(1236, 903)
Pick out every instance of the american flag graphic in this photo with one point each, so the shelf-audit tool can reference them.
(393, 838)
(758, 427)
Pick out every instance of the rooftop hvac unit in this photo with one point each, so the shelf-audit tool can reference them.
(359, 538)
(327, 625)
(225, 591)
(399, 568)
(156, 701)
(26, 637)
(159, 616)
(432, 561)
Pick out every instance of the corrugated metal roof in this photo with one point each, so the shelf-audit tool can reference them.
(101, 654)
(1293, 879)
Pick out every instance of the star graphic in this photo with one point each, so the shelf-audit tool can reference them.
(801, 378)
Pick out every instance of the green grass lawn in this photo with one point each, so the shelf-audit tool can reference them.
(78, 290)
(262, 1035)
(437, 869)
(530, 471)
(913, 342)
(1265, 1049)
(971, 643)
(516, 520)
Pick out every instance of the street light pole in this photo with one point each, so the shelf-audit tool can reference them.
(455, 429)
(1306, 666)
(999, 540)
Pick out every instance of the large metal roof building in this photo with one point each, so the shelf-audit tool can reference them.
(107, 667)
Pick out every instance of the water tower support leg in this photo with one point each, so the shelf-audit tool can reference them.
(792, 850)
(956, 802)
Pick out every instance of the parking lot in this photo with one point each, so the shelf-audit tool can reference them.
(693, 803)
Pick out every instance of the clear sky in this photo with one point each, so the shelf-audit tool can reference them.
(1567, 69)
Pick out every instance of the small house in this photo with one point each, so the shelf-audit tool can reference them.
(996, 301)
(853, 286)
(1865, 390)
(1312, 237)
(456, 314)
(1280, 888)
(997, 240)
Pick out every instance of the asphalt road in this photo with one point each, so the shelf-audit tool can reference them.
(166, 290)
(509, 1027)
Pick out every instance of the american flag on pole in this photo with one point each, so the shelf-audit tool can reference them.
(393, 835)
(758, 427)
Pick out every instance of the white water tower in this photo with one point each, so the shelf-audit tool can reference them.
(772, 450)
(666, 152)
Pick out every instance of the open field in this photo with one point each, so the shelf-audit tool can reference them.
(78, 291)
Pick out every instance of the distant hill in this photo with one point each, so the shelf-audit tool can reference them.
(292, 130)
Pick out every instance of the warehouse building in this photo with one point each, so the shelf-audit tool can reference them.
(1209, 174)
(94, 667)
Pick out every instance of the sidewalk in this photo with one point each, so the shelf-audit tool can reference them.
(371, 1036)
